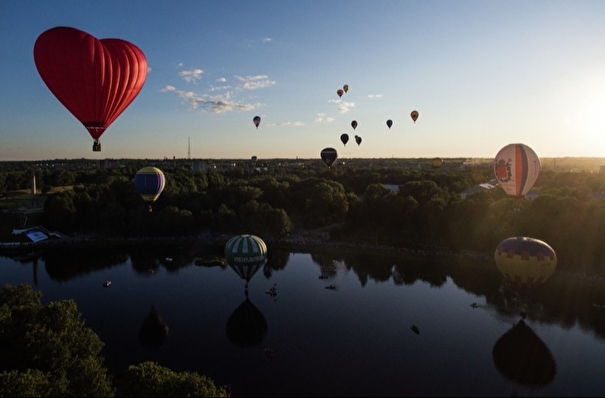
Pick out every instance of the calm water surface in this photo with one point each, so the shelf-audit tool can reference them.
(354, 340)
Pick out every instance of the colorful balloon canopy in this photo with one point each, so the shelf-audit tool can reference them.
(414, 116)
(246, 254)
(517, 168)
(389, 123)
(329, 156)
(340, 92)
(344, 138)
(358, 139)
(256, 121)
(149, 182)
(96, 80)
(525, 262)
(354, 124)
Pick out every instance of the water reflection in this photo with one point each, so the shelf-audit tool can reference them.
(153, 331)
(523, 357)
(246, 326)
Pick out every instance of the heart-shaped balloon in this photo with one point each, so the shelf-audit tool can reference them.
(96, 80)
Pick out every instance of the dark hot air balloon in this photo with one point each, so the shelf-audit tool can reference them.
(149, 182)
(256, 121)
(339, 92)
(389, 123)
(329, 156)
(516, 167)
(344, 138)
(354, 124)
(345, 88)
(414, 116)
(96, 80)
(437, 162)
(358, 139)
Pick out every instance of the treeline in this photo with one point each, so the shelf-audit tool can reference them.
(426, 211)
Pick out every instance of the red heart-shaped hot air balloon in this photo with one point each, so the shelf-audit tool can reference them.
(96, 80)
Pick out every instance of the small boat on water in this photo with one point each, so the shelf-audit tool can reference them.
(331, 287)
(272, 291)
(107, 283)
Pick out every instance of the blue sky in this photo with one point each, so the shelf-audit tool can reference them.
(482, 74)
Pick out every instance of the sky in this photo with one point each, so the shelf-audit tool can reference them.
(482, 74)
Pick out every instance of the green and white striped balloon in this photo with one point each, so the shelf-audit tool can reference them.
(246, 254)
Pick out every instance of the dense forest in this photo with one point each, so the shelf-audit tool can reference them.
(382, 202)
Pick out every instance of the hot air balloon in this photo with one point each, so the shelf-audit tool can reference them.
(354, 124)
(389, 123)
(256, 121)
(253, 158)
(149, 182)
(345, 88)
(516, 167)
(525, 262)
(96, 80)
(246, 254)
(339, 92)
(437, 162)
(414, 116)
(358, 139)
(344, 138)
(329, 156)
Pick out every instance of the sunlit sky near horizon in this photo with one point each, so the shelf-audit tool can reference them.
(482, 74)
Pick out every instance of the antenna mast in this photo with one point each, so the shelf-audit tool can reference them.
(189, 148)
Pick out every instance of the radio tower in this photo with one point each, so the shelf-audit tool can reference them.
(189, 148)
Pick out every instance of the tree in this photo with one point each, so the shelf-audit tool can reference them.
(149, 379)
(46, 349)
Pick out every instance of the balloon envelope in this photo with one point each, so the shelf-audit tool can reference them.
(414, 116)
(246, 254)
(256, 121)
(354, 124)
(358, 139)
(96, 80)
(516, 167)
(339, 92)
(437, 162)
(345, 88)
(525, 262)
(344, 138)
(329, 156)
(149, 182)
(389, 123)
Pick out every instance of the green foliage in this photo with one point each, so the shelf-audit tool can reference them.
(149, 379)
(48, 345)
(48, 351)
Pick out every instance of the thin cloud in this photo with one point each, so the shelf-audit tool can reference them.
(285, 124)
(191, 75)
(254, 82)
(343, 106)
(267, 39)
(212, 104)
(374, 95)
(322, 118)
